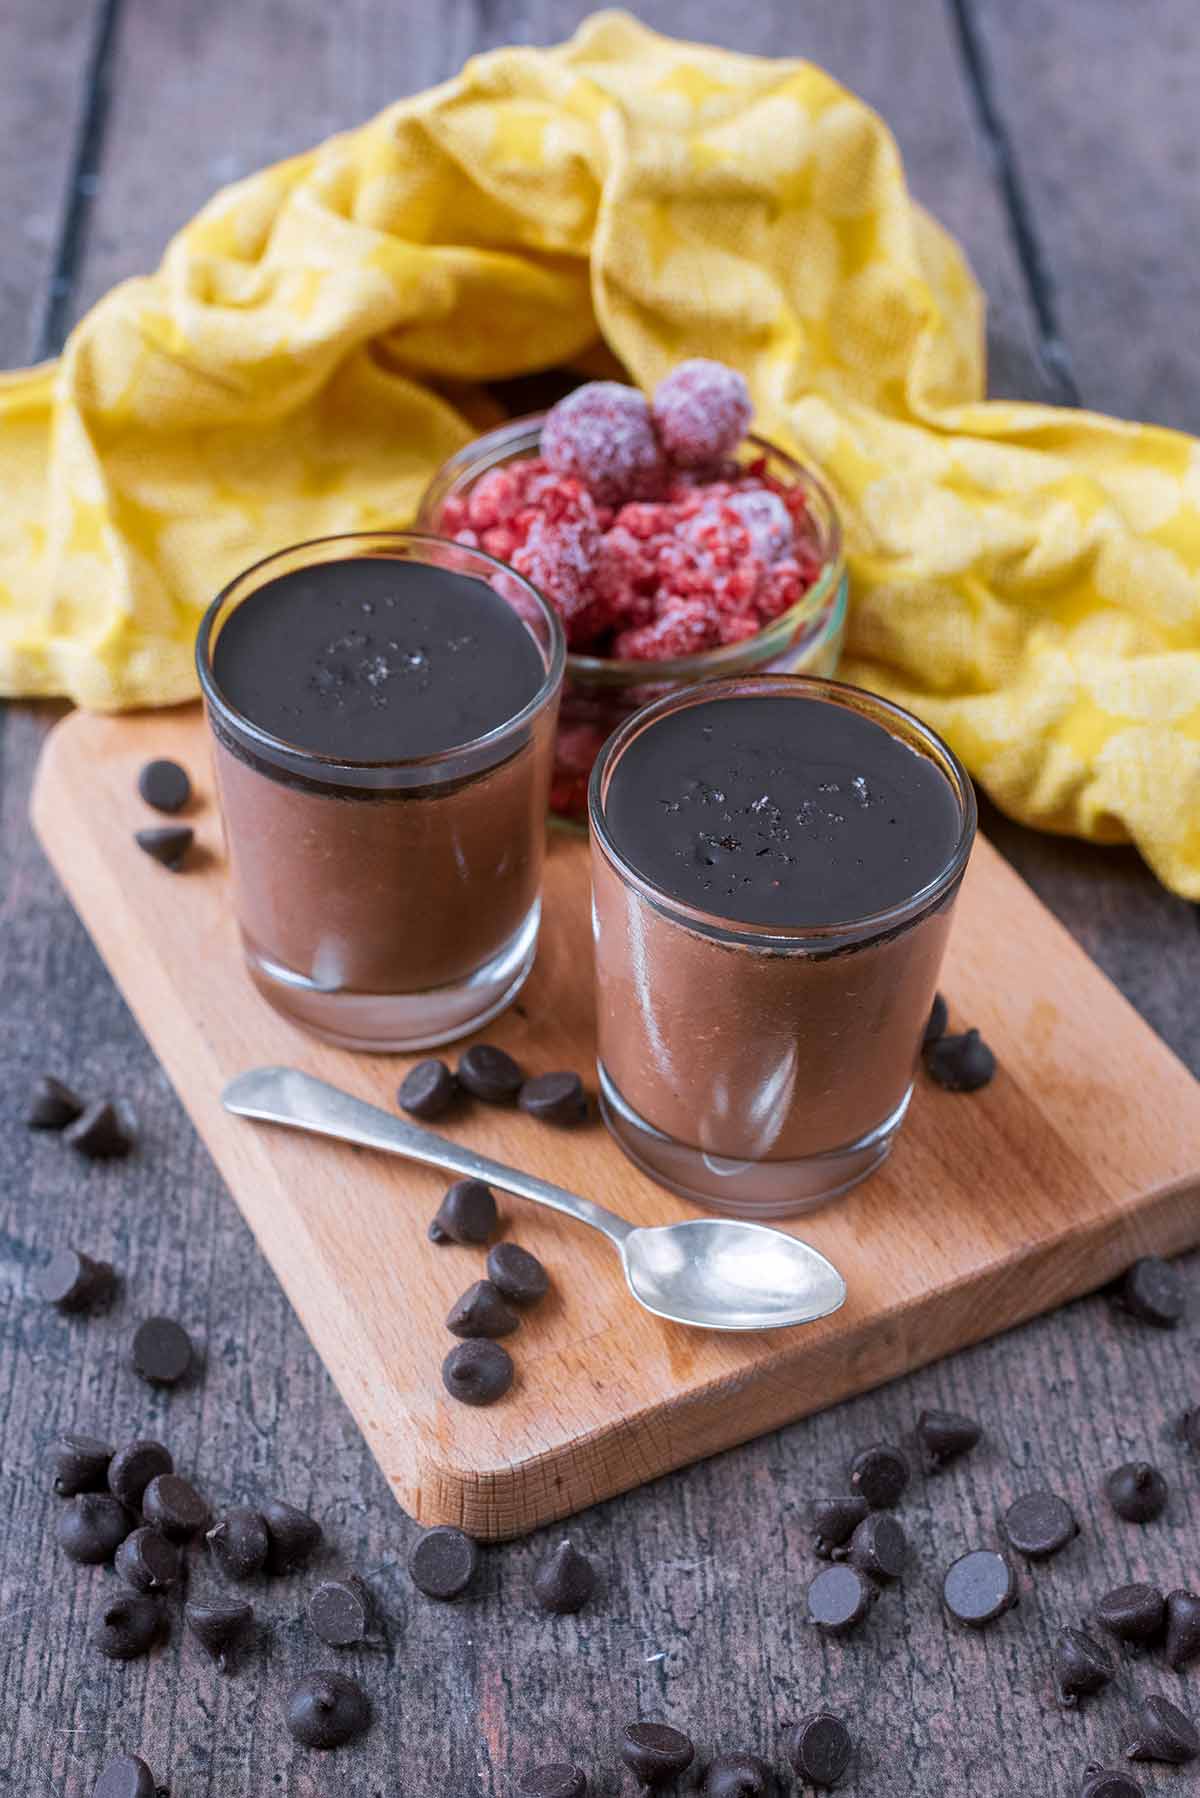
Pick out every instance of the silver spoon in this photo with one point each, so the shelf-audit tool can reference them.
(715, 1273)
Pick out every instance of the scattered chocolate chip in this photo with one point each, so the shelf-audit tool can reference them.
(960, 1064)
(1183, 1629)
(174, 1506)
(133, 1467)
(1081, 1666)
(554, 1098)
(564, 1580)
(1164, 1733)
(74, 1282)
(428, 1090)
(467, 1214)
(477, 1373)
(559, 1780)
(939, 1017)
(238, 1543)
(1189, 1430)
(490, 1074)
(979, 1587)
(838, 1600)
(819, 1748)
(92, 1527)
(516, 1273)
(162, 1351)
(166, 843)
(443, 1562)
(292, 1536)
(738, 1776)
(52, 1105)
(1039, 1525)
(655, 1753)
(147, 1561)
(129, 1626)
(80, 1464)
(481, 1311)
(880, 1475)
(340, 1612)
(127, 1777)
(1137, 1492)
(99, 1133)
(165, 786)
(944, 1436)
(1135, 1614)
(1105, 1782)
(326, 1709)
(835, 1521)
(1152, 1292)
(218, 1627)
(879, 1547)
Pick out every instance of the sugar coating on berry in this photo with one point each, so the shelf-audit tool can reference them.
(701, 412)
(602, 434)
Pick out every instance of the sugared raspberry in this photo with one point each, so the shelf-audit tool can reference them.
(602, 434)
(701, 412)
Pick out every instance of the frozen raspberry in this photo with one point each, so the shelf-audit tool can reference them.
(602, 434)
(701, 412)
(767, 522)
(684, 630)
(559, 557)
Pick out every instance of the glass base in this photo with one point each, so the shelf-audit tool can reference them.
(395, 1023)
(746, 1189)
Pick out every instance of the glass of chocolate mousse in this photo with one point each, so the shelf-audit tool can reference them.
(383, 709)
(775, 861)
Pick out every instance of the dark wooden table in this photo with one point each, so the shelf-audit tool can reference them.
(1058, 140)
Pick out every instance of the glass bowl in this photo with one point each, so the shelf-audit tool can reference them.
(601, 692)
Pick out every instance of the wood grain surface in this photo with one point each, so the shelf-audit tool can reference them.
(702, 1618)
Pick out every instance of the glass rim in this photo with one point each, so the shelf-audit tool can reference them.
(269, 743)
(868, 924)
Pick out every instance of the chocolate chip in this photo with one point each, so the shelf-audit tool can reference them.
(1183, 1629)
(292, 1535)
(162, 1351)
(960, 1064)
(738, 1776)
(1081, 1666)
(979, 1587)
(99, 1133)
(1189, 1430)
(467, 1214)
(477, 1373)
(74, 1282)
(1164, 1733)
(554, 1098)
(340, 1612)
(490, 1074)
(1105, 1782)
(481, 1311)
(1135, 1614)
(127, 1777)
(1039, 1525)
(218, 1627)
(428, 1090)
(939, 1017)
(326, 1709)
(516, 1273)
(564, 1580)
(819, 1748)
(80, 1464)
(129, 1626)
(835, 1521)
(133, 1467)
(944, 1436)
(1152, 1292)
(655, 1753)
(92, 1527)
(879, 1547)
(443, 1562)
(175, 1507)
(880, 1475)
(166, 843)
(838, 1600)
(559, 1780)
(238, 1543)
(1137, 1492)
(147, 1561)
(52, 1105)
(165, 786)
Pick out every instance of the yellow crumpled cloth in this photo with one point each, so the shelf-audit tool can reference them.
(1027, 579)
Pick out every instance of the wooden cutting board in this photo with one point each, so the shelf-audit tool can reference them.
(1082, 1154)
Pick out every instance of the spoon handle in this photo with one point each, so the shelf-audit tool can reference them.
(286, 1096)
